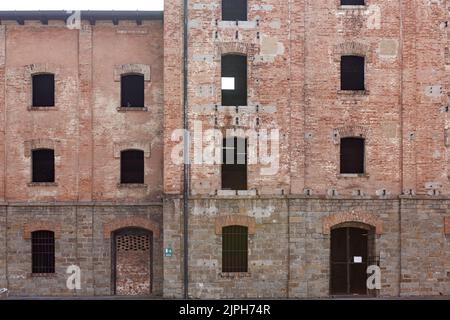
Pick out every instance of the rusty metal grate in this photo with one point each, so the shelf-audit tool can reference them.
(133, 243)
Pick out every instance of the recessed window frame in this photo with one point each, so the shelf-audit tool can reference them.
(363, 161)
(122, 98)
(43, 252)
(52, 103)
(346, 3)
(235, 249)
(240, 79)
(237, 159)
(34, 166)
(127, 181)
(241, 16)
(343, 85)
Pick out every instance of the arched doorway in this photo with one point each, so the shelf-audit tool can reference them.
(352, 248)
(132, 262)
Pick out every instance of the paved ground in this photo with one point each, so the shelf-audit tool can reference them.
(153, 298)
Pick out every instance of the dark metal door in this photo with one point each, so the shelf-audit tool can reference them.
(132, 263)
(349, 248)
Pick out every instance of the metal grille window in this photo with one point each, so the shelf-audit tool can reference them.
(234, 165)
(234, 80)
(132, 167)
(235, 249)
(43, 90)
(43, 165)
(132, 91)
(352, 155)
(43, 251)
(352, 73)
(234, 10)
(352, 2)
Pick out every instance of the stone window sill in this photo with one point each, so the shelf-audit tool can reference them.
(234, 275)
(132, 186)
(42, 184)
(353, 175)
(45, 108)
(132, 109)
(353, 92)
(43, 275)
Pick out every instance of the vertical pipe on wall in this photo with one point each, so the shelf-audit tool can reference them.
(185, 152)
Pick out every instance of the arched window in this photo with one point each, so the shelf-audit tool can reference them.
(352, 73)
(43, 251)
(234, 10)
(235, 249)
(132, 167)
(43, 90)
(352, 155)
(234, 164)
(234, 80)
(132, 91)
(43, 168)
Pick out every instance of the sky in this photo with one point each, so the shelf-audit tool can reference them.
(82, 5)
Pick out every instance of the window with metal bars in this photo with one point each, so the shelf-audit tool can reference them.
(235, 249)
(43, 251)
(43, 167)
(132, 167)
(352, 2)
(43, 90)
(234, 80)
(352, 73)
(234, 10)
(132, 91)
(352, 155)
(234, 165)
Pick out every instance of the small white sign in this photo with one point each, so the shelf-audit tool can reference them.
(357, 259)
(228, 83)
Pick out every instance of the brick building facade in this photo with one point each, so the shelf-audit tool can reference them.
(127, 238)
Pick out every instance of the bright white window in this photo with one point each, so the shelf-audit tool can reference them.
(228, 83)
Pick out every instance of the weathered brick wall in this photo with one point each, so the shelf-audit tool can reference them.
(294, 50)
(81, 242)
(87, 128)
(425, 256)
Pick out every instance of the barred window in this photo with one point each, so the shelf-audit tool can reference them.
(132, 167)
(352, 155)
(352, 73)
(43, 165)
(43, 90)
(132, 91)
(235, 249)
(234, 10)
(43, 251)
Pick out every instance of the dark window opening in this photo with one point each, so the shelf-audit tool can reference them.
(43, 251)
(44, 90)
(234, 80)
(352, 155)
(234, 165)
(235, 249)
(132, 167)
(132, 91)
(352, 2)
(352, 73)
(234, 10)
(43, 165)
